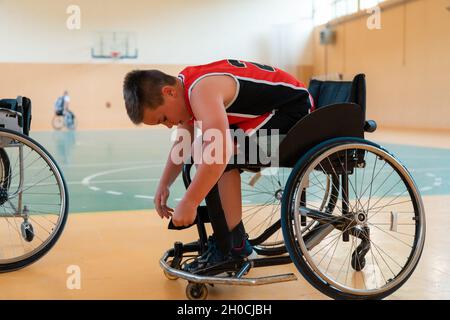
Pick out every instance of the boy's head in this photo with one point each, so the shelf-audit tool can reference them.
(153, 97)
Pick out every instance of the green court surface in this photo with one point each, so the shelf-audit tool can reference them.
(120, 169)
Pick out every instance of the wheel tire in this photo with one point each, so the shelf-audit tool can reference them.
(5, 170)
(196, 291)
(297, 255)
(168, 275)
(58, 122)
(13, 266)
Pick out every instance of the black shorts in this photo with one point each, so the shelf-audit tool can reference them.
(282, 120)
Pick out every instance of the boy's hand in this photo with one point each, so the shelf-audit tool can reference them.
(184, 214)
(161, 196)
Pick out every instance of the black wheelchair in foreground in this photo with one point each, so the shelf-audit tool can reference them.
(343, 209)
(33, 194)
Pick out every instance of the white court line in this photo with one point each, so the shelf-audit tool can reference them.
(108, 181)
(94, 188)
(126, 180)
(114, 193)
(144, 197)
(109, 164)
(430, 169)
(86, 181)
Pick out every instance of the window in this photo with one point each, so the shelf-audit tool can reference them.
(365, 4)
(326, 10)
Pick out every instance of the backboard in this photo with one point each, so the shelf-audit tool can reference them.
(114, 45)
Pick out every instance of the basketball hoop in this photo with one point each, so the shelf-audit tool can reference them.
(115, 55)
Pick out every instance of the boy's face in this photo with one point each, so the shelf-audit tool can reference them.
(171, 112)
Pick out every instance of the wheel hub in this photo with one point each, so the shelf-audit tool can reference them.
(361, 218)
(279, 194)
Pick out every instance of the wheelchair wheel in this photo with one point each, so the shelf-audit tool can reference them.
(58, 122)
(370, 243)
(70, 121)
(34, 201)
(261, 207)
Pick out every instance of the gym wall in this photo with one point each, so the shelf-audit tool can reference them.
(40, 57)
(90, 86)
(406, 62)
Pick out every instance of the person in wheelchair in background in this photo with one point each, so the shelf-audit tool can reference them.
(63, 115)
(226, 94)
(62, 104)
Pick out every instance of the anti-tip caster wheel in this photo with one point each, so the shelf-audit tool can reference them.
(196, 291)
(358, 263)
(27, 231)
(168, 275)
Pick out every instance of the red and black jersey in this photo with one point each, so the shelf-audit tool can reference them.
(261, 90)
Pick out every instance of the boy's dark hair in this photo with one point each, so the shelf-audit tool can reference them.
(142, 89)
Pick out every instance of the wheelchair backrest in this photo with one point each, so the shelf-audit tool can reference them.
(330, 92)
(20, 108)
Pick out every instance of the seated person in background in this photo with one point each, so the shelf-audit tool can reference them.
(62, 104)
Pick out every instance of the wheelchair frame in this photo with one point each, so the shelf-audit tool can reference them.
(343, 118)
(16, 120)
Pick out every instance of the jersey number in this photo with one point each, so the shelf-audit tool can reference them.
(240, 64)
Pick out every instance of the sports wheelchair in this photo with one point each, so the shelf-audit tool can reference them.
(64, 119)
(343, 209)
(34, 199)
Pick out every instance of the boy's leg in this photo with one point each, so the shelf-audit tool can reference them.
(218, 221)
(231, 198)
(222, 234)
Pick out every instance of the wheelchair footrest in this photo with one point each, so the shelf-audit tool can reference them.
(238, 279)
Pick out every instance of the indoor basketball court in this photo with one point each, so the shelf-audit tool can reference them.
(77, 213)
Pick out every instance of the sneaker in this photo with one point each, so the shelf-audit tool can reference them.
(211, 257)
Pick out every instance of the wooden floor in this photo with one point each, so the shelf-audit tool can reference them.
(118, 255)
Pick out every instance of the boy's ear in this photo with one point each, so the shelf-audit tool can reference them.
(168, 91)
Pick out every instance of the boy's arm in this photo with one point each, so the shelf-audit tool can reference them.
(170, 173)
(172, 170)
(207, 103)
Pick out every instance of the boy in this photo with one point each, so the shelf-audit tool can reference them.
(223, 94)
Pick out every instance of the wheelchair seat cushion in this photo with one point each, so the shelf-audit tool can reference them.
(329, 92)
(325, 93)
